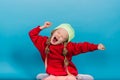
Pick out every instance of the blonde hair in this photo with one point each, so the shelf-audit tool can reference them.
(65, 51)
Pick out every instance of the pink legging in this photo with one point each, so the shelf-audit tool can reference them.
(52, 77)
(44, 76)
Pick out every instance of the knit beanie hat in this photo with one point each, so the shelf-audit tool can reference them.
(69, 29)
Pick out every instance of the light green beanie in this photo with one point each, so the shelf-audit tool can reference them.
(69, 29)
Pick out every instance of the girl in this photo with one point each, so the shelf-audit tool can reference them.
(57, 51)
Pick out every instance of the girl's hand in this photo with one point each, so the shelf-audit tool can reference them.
(46, 25)
(101, 47)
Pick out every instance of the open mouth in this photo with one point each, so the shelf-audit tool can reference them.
(55, 39)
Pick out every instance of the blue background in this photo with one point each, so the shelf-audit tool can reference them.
(95, 21)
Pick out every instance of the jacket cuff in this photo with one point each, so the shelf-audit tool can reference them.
(96, 46)
(38, 29)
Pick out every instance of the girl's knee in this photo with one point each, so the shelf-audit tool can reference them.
(41, 76)
(84, 77)
(50, 77)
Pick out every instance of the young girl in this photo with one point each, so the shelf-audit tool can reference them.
(57, 52)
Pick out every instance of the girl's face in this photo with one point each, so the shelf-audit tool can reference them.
(59, 36)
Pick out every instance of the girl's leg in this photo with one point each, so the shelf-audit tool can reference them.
(84, 77)
(41, 76)
(50, 77)
(70, 77)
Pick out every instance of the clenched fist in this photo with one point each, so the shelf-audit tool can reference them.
(101, 47)
(46, 25)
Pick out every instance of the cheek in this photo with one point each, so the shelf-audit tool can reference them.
(62, 39)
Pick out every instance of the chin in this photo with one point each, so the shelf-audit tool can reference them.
(54, 43)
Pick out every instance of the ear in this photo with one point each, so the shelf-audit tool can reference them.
(66, 41)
